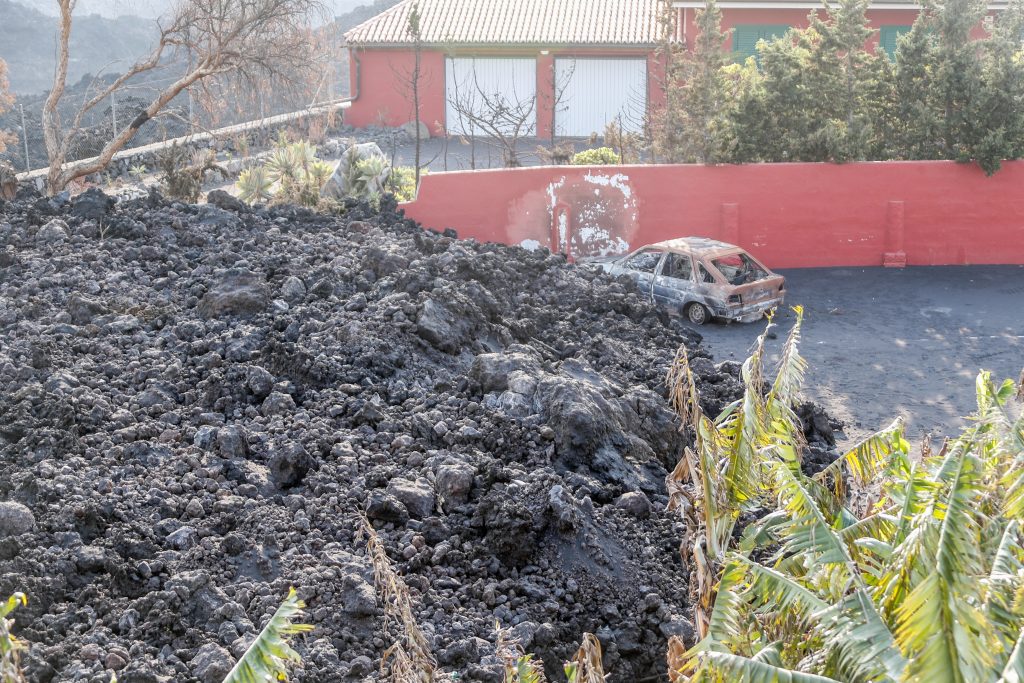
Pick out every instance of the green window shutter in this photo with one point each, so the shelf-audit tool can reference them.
(746, 36)
(887, 37)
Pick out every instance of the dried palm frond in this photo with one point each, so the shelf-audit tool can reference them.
(586, 665)
(409, 658)
(519, 666)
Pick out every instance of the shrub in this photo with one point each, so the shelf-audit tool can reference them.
(182, 172)
(402, 183)
(602, 156)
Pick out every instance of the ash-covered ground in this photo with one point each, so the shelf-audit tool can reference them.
(198, 401)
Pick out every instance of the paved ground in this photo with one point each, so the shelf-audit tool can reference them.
(883, 342)
(460, 155)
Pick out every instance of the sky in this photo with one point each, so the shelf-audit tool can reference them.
(153, 8)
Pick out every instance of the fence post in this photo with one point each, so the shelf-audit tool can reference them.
(24, 137)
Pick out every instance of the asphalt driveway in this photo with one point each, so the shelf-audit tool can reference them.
(886, 342)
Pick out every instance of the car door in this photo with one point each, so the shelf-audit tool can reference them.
(641, 266)
(708, 290)
(673, 283)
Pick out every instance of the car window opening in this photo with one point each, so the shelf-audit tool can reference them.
(645, 261)
(705, 276)
(739, 269)
(678, 266)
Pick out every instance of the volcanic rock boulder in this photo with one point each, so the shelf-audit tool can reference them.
(92, 204)
(237, 292)
(15, 519)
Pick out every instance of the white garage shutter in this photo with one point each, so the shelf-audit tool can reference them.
(496, 89)
(595, 92)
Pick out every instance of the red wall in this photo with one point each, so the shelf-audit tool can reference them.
(383, 98)
(790, 215)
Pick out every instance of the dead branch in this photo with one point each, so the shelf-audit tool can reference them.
(253, 39)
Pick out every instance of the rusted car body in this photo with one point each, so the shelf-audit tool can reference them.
(701, 278)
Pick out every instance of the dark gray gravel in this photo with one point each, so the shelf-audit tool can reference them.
(884, 342)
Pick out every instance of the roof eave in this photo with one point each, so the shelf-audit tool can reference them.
(802, 4)
(362, 45)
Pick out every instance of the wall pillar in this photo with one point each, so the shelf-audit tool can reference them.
(545, 94)
(895, 255)
(729, 227)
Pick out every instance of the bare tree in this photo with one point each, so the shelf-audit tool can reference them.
(505, 118)
(408, 81)
(413, 29)
(560, 87)
(6, 100)
(253, 39)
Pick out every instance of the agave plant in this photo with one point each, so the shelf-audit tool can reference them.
(268, 657)
(925, 584)
(10, 647)
(293, 174)
(255, 185)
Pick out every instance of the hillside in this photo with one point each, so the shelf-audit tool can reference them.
(27, 38)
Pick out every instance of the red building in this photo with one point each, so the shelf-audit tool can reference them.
(570, 66)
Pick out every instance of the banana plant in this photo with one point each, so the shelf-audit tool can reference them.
(268, 657)
(926, 584)
(10, 647)
(728, 470)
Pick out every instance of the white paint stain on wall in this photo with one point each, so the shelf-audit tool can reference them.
(620, 181)
(589, 220)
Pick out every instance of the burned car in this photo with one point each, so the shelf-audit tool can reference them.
(700, 278)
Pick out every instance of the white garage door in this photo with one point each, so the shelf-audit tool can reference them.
(497, 90)
(595, 92)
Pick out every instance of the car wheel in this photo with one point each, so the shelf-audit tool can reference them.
(697, 314)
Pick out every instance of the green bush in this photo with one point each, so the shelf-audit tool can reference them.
(602, 156)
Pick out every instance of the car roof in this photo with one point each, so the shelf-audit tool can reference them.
(698, 246)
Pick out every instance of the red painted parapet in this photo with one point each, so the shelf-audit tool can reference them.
(791, 215)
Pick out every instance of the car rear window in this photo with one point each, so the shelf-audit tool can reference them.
(645, 261)
(739, 268)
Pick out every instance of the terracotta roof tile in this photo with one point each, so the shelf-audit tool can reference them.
(517, 23)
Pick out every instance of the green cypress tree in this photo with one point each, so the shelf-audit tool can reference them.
(918, 130)
(822, 96)
(1000, 105)
(696, 122)
(957, 69)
